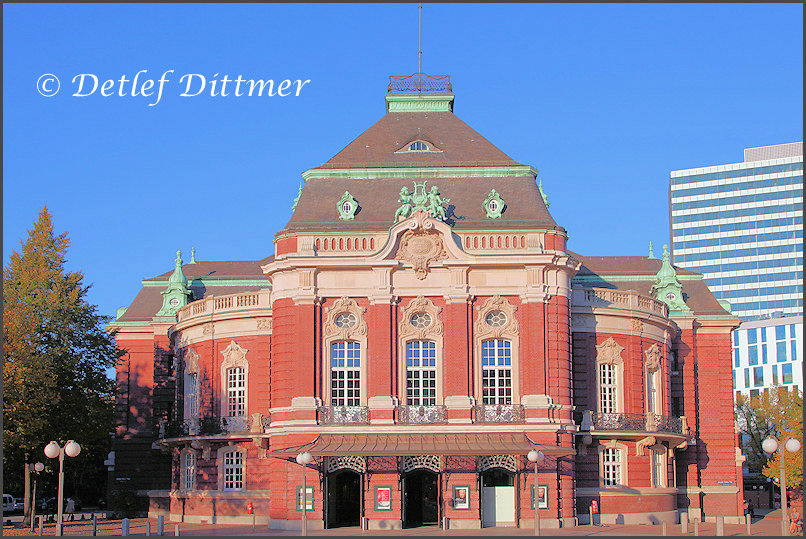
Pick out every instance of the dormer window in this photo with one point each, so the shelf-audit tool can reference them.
(418, 146)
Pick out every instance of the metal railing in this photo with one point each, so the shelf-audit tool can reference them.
(419, 82)
(421, 414)
(211, 426)
(335, 415)
(638, 422)
(499, 413)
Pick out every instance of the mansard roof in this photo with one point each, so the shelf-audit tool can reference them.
(457, 142)
(378, 199)
(205, 279)
(638, 273)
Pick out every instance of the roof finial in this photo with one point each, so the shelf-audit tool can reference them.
(651, 254)
(543, 194)
(192, 255)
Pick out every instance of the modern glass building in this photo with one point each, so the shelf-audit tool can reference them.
(741, 226)
(767, 353)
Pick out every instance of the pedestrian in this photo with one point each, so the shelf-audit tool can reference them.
(750, 510)
(746, 508)
(71, 507)
(795, 521)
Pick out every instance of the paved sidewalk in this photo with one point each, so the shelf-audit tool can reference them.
(768, 525)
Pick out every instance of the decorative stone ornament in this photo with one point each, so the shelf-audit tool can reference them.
(493, 205)
(421, 245)
(496, 319)
(347, 206)
(652, 355)
(296, 200)
(609, 352)
(344, 320)
(431, 202)
(415, 311)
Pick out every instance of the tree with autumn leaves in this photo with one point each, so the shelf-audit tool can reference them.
(776, 412)
(56, 352)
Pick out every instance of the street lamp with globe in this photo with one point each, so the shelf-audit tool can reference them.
(303, 459)
(38, 467)
(53, 450)
(770, 445)
(536, 457)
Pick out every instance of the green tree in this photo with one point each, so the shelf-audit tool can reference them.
(56, 352)
(776, 412)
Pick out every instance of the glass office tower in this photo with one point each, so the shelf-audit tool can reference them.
(741, 226)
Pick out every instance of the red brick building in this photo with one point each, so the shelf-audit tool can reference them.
(419, 329)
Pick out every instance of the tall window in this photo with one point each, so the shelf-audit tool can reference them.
(607, 388)
(421, 373)
(236, 391)
(345, 373)
(192, 395)
(651, 392)
(786, 373)
(780, 342)
(188, 466)
(752, 348)
(496, 374)
(233, 470)
(657, 469)
(611, 467)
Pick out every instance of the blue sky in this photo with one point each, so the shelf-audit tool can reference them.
(603, 99)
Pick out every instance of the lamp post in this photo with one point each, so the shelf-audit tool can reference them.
(536, 457)
(38, 467)
(303, 459)
(770, 445)
(53, 450)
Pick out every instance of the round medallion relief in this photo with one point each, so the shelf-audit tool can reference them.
(420, 245)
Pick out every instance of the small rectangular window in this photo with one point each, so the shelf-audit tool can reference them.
(736, 360)
(758, 376)
(786, 373)
(747, 378)
(794, 350)
(781, 351)
(775, 375)
(780, 332)
(791, 331)
(753, 355)
(233, 470)
(752, 336)
(611, 467)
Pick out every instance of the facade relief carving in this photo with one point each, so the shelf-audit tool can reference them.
(344, 320)
(609, 352)
(429, 328)
(421, 246)
(496, 319)
(653, 357)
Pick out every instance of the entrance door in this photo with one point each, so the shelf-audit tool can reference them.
(497, 498)
(343, 499)
(420, 498)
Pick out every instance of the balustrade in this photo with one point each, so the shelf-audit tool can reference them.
(335, 415)
(421, 414)
(499, 413)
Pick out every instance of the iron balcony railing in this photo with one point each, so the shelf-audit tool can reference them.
(211, 426)
(337, 415)
(499, 413)
(638, 422)
(419, 82)
(421, 414)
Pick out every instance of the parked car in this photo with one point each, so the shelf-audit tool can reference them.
(8, 503)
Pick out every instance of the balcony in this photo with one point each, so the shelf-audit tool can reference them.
(499, 413)
(407, 415)
(339, 415)
(207, 307)
(213, 426)
(634, 423)
(617, 299)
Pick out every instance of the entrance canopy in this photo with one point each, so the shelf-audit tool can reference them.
(385, 445)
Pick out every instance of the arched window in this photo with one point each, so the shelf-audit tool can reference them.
(345, 369)
(191, 385)
(231, 464)
(188, 470)
(421, 373)
(234, 381)
(418, 146)
(609, 376)
(496, 374)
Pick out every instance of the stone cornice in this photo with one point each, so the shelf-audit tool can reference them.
(420, 172)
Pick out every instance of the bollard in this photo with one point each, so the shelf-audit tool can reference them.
(663, 526)
(160, 525)
(590, 512)
(683, 523)
(176, 530)
(696, 526)
(124, 527)
(747, 523)
(148, 528)
(720, 525)
(40, 525)
(94, 525)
